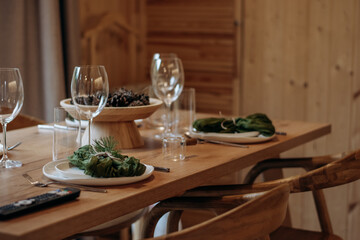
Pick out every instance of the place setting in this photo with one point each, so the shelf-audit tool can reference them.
(90, 129)
(89, 154)
(234, 131)
(178, 120)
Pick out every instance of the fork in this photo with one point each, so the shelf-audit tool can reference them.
(200, 140)
(40, 184)
(13, 146)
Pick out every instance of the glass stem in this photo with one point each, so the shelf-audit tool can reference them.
(167, 130)
(5, 157)
(89, 129)
(79, 133)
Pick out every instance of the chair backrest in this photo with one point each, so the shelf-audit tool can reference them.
(342, 171)
(251, 220)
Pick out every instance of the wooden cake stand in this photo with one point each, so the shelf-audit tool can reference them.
(117, 122)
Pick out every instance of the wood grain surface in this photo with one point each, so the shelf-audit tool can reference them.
(301, 61)
(204, 162)
(250, 216)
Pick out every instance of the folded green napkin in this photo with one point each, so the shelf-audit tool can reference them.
(255, 122)
(103, 160)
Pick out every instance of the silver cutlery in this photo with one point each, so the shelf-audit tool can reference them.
(44, 126)
(199, 140)
(40, 184)
(223, 143)
(12, 147)
(161, 169)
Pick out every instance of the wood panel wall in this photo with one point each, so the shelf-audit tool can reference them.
(205, 35)
(113, 35)
(301, 62)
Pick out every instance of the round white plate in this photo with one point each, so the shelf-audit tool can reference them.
(50, 171)
(69, 172)
(84, 123)
(247, 137)
(75, 123)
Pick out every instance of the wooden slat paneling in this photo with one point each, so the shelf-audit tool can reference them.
(341, 57)
(353, 209)
(189, 16)
(203, 35)
(113, 35)
(317, 68)
(306, 53)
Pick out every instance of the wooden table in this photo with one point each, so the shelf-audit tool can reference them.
(205, 162)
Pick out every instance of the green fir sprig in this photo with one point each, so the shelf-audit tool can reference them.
(102, 159)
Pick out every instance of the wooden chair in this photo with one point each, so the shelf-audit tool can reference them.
(308, 164)
(342, 171)
(248, 216)
(119, 228)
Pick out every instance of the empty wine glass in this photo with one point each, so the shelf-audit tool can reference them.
(11, 101)
(89, 91)
(167, 76)
(159, 56)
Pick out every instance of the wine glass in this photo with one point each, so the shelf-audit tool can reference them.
(167, 76)
(89, 91)
(11, 101)
(157, 119)
(159, 56)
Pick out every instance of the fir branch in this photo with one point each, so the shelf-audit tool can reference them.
(105, 144)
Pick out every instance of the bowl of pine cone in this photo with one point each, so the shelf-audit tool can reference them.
(122, 105)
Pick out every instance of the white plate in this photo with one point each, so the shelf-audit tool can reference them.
(75, 123)
(247, 137)
(84, 123)
(51, 172)
(69, 172)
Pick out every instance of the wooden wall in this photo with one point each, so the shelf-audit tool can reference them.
(205, 35)
(302, 62)
(113, 35)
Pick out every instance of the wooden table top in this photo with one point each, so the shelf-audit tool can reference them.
(204, 162)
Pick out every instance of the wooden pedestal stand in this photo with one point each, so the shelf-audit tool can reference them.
(117, 122)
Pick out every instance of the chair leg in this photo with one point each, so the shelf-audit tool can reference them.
(322, 211)
(277, 173)
(151, 220)
(173, 221)
(122, 234)
(267, 237)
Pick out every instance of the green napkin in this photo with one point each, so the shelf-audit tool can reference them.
(255, 122)
(108, 162)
